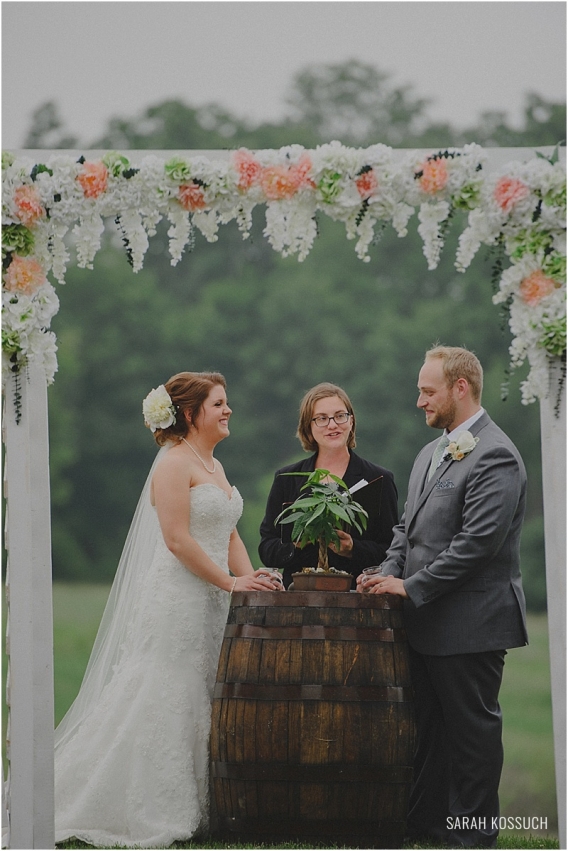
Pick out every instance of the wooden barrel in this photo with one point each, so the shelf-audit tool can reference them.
(312, 723)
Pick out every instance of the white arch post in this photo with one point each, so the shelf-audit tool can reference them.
(553, 444)
(29, 786)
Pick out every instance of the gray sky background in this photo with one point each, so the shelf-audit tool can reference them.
(98, 60)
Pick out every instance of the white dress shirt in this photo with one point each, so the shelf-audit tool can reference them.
(465, 426)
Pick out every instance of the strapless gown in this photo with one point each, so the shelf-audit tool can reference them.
(137, 770)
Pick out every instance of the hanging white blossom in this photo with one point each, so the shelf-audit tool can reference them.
(522, 209)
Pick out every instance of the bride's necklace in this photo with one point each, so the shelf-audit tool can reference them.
(200, 458)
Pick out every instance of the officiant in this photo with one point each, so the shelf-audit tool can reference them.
(326, 428)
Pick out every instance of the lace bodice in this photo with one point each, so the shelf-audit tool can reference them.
(213, 517)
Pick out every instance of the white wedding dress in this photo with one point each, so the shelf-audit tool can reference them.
(135, 770)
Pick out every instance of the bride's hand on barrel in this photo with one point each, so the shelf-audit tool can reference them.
(258, 581)
(275, 577)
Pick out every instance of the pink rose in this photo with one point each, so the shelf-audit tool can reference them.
(508, 191)
(93, 179)
(192, 197)
(24, 275)
(28, 204)
(249, 169)
(534, 288)
(434, 176)
(366, 184)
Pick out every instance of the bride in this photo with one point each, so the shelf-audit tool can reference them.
(132, 753)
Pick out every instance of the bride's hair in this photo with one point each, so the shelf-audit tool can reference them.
(188, 391)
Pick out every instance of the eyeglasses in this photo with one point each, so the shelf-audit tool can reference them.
(339, 419)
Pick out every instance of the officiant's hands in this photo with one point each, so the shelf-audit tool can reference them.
(346, 544)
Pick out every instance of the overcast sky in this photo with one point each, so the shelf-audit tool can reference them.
(105, 59)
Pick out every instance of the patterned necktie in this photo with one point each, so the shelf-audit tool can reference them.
(437, 456)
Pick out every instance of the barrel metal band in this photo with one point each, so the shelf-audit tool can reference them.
(315, 599)
(315, 632)
(312, 773)
(348, 694)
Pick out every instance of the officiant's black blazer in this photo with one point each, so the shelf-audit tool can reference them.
(276, 548)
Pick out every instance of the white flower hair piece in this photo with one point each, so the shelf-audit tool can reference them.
(464, 443)
(158, 409)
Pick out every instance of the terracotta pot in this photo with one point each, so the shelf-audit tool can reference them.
(321, 582)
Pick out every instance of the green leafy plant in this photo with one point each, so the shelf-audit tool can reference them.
(320, 511)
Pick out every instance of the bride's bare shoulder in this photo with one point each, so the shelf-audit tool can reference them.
(173, 470)
(174, 462)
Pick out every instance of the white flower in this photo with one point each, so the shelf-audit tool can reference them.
(431, 215)
(158, 409)
(290, 227)
(136, 238)
(464, 443)
(521, 207)
(88, 232)
(207, 224)
(400, 216)
(180, 231)
(46, 304)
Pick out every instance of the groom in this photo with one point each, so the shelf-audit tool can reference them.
(455, 561)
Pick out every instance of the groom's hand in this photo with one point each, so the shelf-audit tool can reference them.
(378, 584)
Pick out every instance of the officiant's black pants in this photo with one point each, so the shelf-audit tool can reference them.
(459, 751)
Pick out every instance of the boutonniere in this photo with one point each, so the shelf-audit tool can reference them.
(460, 447)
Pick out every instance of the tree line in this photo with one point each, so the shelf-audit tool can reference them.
(272, 326)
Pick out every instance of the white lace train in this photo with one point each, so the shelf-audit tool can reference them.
(136, 771)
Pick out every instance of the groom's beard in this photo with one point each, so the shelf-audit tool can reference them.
(445, 416)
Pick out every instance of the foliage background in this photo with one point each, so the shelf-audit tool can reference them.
(273, 326)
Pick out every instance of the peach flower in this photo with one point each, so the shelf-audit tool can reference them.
(192, 197)
(28, 204)
(249, 169)
(434, 176)
(93, 179)
(24, 275)
(366, 184)
(300, 172)
(279, 182)
(508, 191)
(534, 288)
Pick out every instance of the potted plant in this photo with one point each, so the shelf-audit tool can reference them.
(321, 509)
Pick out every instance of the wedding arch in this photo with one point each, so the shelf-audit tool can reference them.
(515, 200)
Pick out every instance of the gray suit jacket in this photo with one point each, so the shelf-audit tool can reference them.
(457, 548)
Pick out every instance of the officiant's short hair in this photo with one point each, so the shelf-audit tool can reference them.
(459, 363)
(321, 391)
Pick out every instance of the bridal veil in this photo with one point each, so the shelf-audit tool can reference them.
(121, 611)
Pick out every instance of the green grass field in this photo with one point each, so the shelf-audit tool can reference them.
(527, 786)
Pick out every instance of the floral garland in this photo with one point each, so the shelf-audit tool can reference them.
(523, 210)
